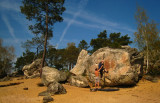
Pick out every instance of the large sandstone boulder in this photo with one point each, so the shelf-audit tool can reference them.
(125, 66)
(33, 70)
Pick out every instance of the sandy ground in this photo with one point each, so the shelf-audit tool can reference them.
(144, 92)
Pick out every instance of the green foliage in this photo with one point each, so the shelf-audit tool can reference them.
(71, 54)
(27, 58)
(6, 58)
(103, 35)
(154, 71)
(36, 43)
(147, 33)
(38, 10)
(83, 45)
(154, 59)
(61, 58)
(45, 13)
(99, 42)
(147, 38)
(115, 40)
(55, 58)
(51, 56)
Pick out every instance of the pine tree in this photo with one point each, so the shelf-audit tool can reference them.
(45, 13)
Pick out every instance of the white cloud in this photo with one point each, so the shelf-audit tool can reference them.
(81, 5)
(93, 18)
(9, 5)
(23, 22)
(10, 28)
(88, 25)
(101, 26)
(14, 12)
(100, 22)
(89, 20)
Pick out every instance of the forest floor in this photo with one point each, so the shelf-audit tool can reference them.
(144, 92)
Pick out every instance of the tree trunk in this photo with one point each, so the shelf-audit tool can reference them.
(146, 39)
(147, 58)
(37, 52)
(45, 42)
(69, 66)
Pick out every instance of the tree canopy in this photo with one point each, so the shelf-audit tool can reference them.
(83, 45)
(115, 40)
(147, 36)
(45, 14)
(36, 43)
(6, 58)
(71, 54)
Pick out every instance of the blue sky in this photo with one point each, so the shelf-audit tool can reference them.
(83, 20)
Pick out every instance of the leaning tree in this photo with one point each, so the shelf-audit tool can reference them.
(44, 14)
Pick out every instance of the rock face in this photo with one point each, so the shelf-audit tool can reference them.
(81, 65)
(47, 99)
(79, 81)
(51, 78)
(32, 70)
(50, 75)
(125, 65)
(150, 78)
(7, 78)
(56, 88)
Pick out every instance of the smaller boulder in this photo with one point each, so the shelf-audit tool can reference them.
(52, 89)
(44, 93)
(50, 75)
(56, 88)
(47, 99)
(25, 88)
(79, 81)
(33, 70)
(151, 78)
(7, 78)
